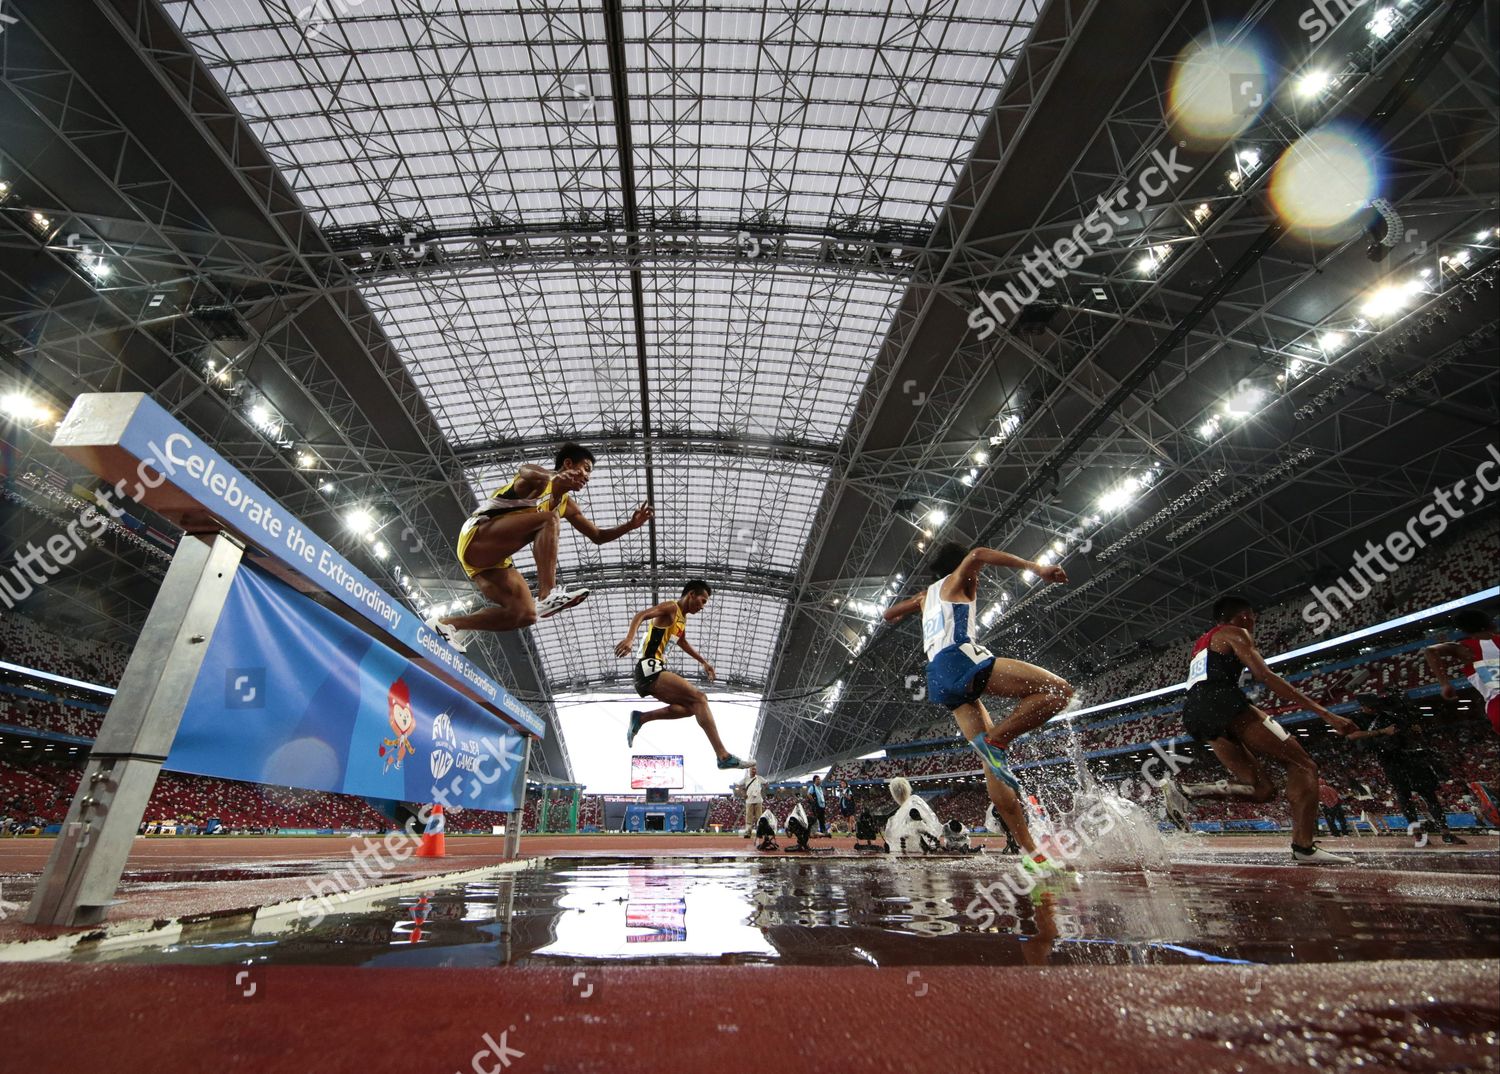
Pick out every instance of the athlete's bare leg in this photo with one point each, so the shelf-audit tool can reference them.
(682, 698)
(497, 539)
(1251, 784)
(671, 712)
(974, 720)
(511, 606)
(1043, 695)
(544, 549)
(1301, 770)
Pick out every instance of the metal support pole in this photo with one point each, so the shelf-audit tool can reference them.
(83, 871)
(516, 818)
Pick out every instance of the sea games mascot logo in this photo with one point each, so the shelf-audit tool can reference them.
(444, 742)
(403, 722)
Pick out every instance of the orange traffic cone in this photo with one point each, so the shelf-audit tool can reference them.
(434, 840)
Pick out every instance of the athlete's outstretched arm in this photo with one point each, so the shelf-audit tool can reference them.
(1442, 656)
(585, 525)
(964, 582)
(623, 647)
(1240, 641)
(901, 609)
(993, 557)
(694, 654)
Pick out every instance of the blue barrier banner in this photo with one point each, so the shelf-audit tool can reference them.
(292, 695)
(170, 455)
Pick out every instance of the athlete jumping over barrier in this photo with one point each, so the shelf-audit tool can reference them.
(527, 511)
(652, 679)
(960, 672)
(1218, 713)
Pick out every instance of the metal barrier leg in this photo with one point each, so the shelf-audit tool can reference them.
(514, 820)
(83, 871)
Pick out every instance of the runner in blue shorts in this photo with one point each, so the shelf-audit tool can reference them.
(960, 671)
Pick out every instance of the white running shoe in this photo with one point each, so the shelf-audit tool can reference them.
(1178, 806)
(1318, 856)
(560, 599)
(446, 632)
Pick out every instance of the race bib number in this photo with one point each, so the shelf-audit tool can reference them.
(975, 652)
(1198, 667)
(932, 630)
(652, 666)
(1486, 675)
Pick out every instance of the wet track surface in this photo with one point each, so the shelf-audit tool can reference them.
(1244, 907)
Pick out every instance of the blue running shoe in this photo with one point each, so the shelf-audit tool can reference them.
(995, 757)
(731, 761)
(635, 728)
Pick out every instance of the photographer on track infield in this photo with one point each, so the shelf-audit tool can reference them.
(1388, 727)
(753, 790)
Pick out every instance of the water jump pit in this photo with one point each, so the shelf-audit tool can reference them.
(1222, 956)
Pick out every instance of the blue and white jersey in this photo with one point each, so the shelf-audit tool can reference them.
(945, 623)
(957, 666)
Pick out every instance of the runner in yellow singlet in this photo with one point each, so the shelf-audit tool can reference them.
(652, 679)
(527, 511)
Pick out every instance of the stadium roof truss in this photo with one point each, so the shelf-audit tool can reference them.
(678, 231)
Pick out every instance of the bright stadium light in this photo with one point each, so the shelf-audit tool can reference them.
(1389, 300)
(21, 407)
(1244, 403)
(1120, 496)
(360, 521)
(1313, 83)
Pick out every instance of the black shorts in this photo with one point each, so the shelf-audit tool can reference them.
(1411, 775)
(646, 674)
(1210, 708)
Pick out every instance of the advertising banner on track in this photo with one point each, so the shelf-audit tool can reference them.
(292, 695)
(170, 454)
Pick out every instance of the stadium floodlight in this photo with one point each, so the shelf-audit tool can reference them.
(22, 407)
(360, 521)
(1313, 83)
(1389, 300)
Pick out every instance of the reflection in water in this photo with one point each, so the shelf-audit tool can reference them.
(840, 911)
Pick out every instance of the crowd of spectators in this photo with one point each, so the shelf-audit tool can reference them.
(26, 642)
(1466, 565)
(45, 714)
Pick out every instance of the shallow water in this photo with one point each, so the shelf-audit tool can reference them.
(907, 912)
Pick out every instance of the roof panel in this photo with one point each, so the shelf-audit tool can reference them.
(751, 113)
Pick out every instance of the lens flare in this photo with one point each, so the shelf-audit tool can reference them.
(1217, 90)
(1324, 182)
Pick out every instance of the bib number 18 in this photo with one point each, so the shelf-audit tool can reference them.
(1198, 669)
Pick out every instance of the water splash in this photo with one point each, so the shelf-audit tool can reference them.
(1112, 832)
